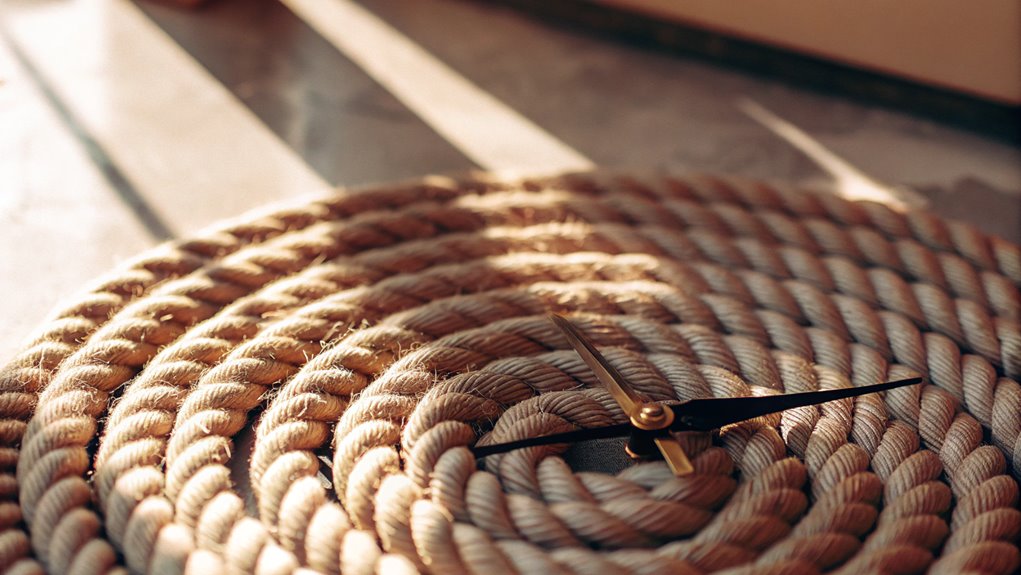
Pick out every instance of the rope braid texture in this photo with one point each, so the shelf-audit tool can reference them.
(359, 344)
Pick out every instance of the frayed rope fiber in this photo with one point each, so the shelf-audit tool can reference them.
(357, 345)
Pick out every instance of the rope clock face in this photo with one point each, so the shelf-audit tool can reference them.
(332, 388)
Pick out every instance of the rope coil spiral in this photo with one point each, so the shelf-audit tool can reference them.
(356, 346)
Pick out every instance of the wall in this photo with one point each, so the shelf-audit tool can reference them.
(972, 47)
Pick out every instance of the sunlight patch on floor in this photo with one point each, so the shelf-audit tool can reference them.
(847, 180)
(484, 129)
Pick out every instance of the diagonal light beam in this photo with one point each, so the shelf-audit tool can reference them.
(483, 128)
(850, 182)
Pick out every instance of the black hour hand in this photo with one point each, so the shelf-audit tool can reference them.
(619, 430)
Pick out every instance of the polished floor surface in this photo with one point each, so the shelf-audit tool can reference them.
(124, 124)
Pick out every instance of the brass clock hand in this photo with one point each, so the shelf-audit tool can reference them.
(674, 455)
(605, 373)
(644, 415)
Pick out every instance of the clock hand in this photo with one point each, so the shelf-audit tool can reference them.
(713, 413)
(617, 430)
(605, 373)
(644, 416)
(674, 455)
(707, 414)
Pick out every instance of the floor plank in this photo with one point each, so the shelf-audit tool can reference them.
(193, 152)
(61, 222)
(125, 123)
(343, 123)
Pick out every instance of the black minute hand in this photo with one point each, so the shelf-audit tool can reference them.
(701, 415)
(708, 414)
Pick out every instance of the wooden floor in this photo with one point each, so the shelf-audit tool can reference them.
(126, 124)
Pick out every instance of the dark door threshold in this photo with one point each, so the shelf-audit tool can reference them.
(985, 117)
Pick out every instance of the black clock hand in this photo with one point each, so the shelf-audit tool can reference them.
(618, 430)
(708, 414)
(700, 415)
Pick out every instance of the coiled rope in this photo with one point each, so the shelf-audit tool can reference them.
(357, 345)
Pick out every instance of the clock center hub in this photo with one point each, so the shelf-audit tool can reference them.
(652, 417)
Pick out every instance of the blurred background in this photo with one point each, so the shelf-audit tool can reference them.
(125, 124)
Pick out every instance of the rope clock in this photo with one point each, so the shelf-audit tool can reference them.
(372, 383)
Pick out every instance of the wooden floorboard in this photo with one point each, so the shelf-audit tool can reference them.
(125, 123)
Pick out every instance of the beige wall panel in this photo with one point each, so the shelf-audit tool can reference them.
(972, 47)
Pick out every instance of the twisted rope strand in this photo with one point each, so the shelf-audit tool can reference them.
(31, 370)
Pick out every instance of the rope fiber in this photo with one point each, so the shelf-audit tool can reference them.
(296, 393)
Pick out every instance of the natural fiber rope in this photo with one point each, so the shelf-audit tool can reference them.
(369, 338)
